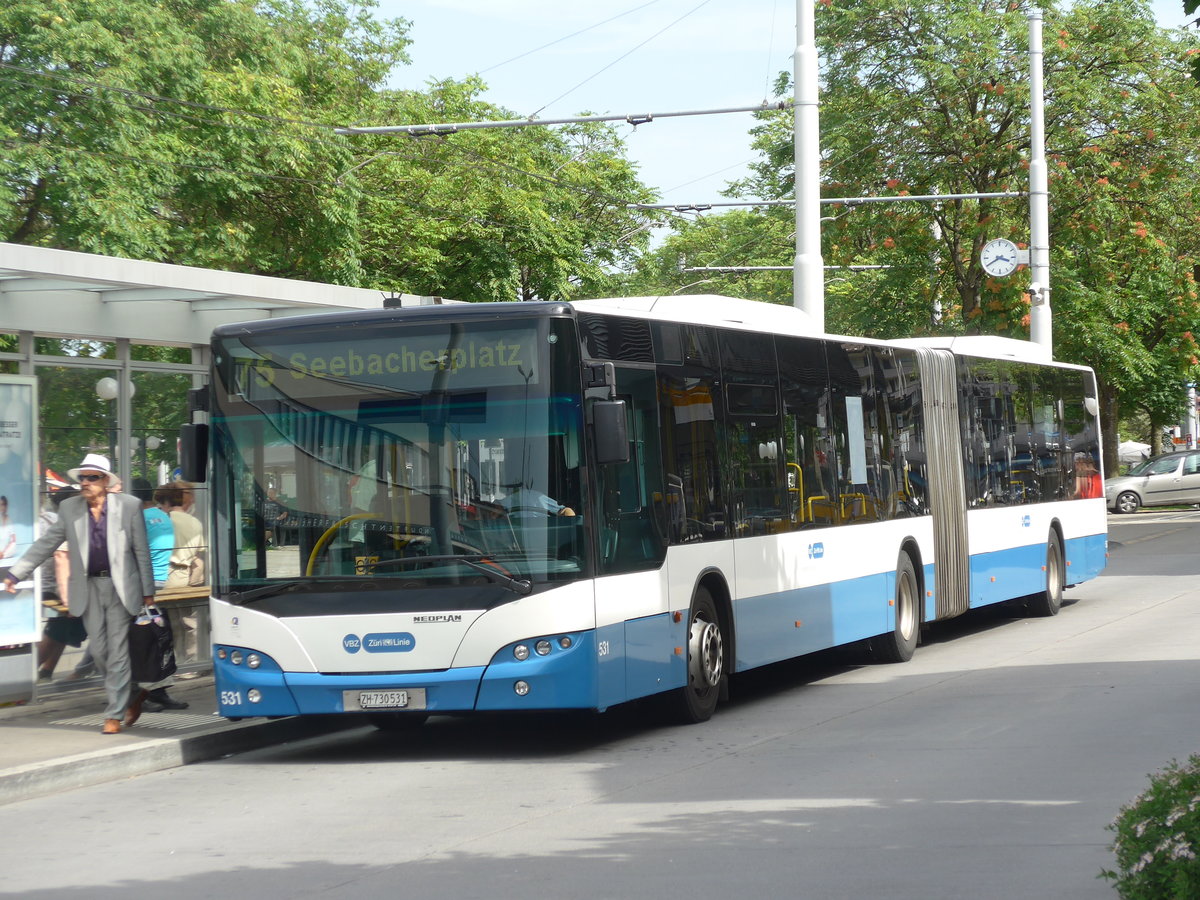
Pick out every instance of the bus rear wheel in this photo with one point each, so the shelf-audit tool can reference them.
(900, 643)
(1049, 601)
(697, 700)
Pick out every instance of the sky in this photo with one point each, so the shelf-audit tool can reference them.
(693, 55)
(625, 57)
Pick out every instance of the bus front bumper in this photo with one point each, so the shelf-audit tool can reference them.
(563, 678)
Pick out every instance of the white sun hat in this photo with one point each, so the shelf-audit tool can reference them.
(94, 462)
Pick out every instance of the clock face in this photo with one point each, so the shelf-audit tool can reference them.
(999, 257)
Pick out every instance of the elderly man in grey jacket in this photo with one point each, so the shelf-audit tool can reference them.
(111, 576)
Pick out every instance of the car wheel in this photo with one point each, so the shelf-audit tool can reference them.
(1128, 502)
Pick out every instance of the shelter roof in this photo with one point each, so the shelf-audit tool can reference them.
(70, 294)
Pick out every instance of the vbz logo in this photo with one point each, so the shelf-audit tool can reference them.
(351, 643)
(816, 551)
(1025, 521)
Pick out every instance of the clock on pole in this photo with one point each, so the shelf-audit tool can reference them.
(999, 257)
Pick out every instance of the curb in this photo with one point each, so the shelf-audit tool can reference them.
(53, 776)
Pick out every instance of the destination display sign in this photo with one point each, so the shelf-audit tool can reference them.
(409, 360)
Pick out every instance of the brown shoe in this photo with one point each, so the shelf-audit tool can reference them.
(111, 726)
(134, 711)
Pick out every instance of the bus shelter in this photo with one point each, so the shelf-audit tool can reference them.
(113, 346)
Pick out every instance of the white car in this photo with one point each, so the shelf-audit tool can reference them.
(1167, 480)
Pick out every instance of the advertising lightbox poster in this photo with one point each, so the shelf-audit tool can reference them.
(20, 619)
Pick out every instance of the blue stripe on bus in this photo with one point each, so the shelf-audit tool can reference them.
(563, 679)
(451, 690)
(774, 627)
(295, 693)
(1018, 571)
(1087, 557)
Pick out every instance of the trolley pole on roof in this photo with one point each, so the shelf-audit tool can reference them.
(808, 278)
(1040, 320)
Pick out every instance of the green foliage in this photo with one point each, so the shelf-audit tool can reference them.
(738, 238)
(177, 131)
(1158, 838)
(934, 99)
(202, 132)
(512, 214)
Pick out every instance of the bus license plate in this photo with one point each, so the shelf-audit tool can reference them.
(411, 698)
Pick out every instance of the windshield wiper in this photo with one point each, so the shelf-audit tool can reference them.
(520, 586)
(265, 590)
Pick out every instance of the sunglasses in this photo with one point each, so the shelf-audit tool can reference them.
(88, 476)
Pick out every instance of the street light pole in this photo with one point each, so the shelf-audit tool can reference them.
(1040, 321)
(808, 271)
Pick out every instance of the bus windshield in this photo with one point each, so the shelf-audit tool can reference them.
(427, 455)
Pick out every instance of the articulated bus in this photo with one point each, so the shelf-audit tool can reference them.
(550, 506)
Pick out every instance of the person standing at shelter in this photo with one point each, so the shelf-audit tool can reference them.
(187, 559)
(159, 531)
(111, 577)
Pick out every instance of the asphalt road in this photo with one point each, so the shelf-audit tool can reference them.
(988, 767)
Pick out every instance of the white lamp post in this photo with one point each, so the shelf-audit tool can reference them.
(109, 389)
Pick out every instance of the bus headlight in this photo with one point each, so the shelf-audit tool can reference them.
(236, 657)
(542, 648)
(522, 688)
(253, 660)
(521, 652)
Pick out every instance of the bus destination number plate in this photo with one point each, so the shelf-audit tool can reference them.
(411, 698)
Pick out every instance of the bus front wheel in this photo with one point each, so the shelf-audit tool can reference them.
(900, 643)
(697, 700)
(1049, 601)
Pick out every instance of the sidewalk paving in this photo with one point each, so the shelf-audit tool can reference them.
(55, 744)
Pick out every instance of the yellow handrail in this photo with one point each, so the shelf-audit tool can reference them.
(328, 535)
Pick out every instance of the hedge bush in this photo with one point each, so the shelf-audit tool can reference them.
(1157, 842)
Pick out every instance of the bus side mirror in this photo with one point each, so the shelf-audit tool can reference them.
(193, 452)
(608, 431)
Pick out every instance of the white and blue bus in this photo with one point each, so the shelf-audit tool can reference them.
(534, 506)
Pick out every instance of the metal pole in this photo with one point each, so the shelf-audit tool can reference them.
(1040, 321)
(808, 279)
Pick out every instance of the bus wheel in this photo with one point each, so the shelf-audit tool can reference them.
(397, 721)
(901, 642)
(697, 700)
(1049, 601)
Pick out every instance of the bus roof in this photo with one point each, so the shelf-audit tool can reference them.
(984, 345)
(707, 309)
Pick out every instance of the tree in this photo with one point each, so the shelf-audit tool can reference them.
(203, 132)
(504, 214)
(933, 99)
(188, 131)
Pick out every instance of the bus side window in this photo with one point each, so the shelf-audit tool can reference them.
(757, 501)
(692, 431)
(632, 520)
(807, 456)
